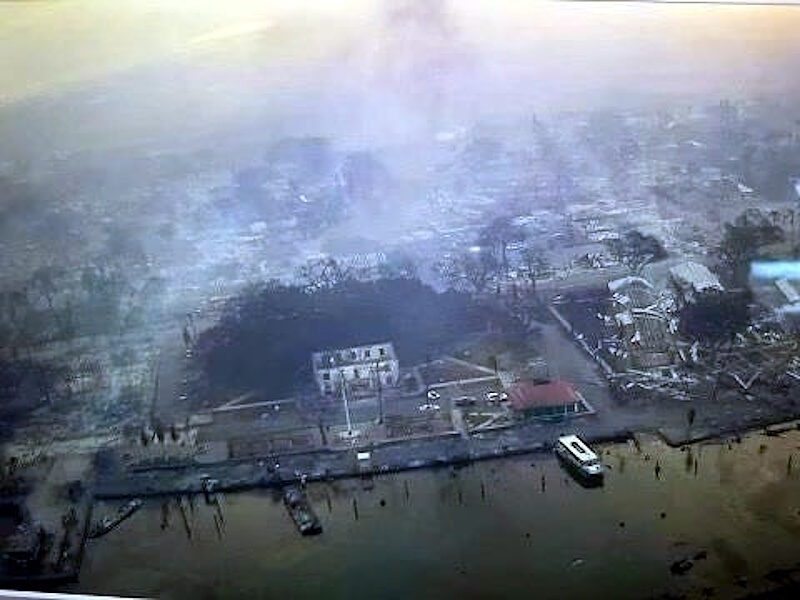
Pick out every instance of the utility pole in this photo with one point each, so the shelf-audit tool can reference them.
(380, 392)
(346, 406)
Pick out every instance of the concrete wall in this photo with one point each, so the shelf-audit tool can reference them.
(360, 374)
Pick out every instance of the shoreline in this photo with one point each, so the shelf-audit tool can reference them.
(171, 480)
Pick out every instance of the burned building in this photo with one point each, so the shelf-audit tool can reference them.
(361, 368)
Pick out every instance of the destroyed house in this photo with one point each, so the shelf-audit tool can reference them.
(641, 326)
(366, 367)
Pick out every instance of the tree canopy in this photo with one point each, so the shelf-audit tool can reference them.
(716, 317)
(266, 337)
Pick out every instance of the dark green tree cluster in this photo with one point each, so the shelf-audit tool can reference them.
(266, 337)
(716, 317)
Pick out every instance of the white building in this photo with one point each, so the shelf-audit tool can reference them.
(362, 367)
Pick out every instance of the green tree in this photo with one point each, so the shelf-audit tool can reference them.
(716, 317)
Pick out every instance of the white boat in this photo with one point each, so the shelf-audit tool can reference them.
(574, 452)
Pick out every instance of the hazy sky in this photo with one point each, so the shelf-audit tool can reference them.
(143, 67)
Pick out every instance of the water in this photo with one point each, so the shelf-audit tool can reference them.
(437, 536)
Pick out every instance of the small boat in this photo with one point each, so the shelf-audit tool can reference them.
(580, 459)
(300, 510)
(106, 524)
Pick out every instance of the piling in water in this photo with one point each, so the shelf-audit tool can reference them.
(184, 518)
(218, 527)
(164, 514)
(355, 509)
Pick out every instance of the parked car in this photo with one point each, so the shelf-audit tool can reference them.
(496, 397)
(429, 407)
(464, 401)
(433, 395)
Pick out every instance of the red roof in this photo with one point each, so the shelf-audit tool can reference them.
(526, 395)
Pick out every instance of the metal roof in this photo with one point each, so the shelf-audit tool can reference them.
(527, 395)
(696, 276)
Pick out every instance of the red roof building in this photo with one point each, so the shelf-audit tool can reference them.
(544, 399)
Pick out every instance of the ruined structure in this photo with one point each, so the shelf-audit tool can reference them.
(365, 367)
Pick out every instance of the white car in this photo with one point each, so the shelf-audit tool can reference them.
(433, 395)
(427, 407)
(493, 397)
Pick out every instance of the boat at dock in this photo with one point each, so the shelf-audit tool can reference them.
(580, 460)
(106, 524)
(300, 510)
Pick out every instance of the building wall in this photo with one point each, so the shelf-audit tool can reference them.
(360, 374)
